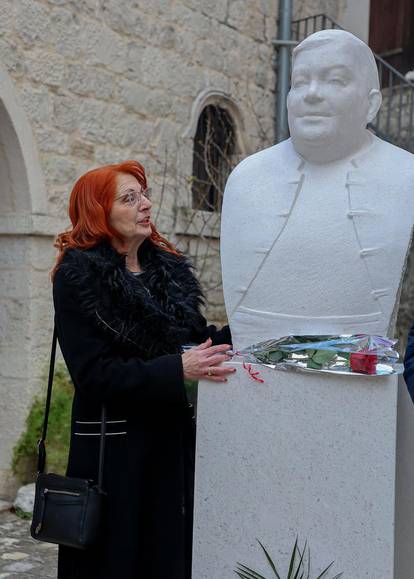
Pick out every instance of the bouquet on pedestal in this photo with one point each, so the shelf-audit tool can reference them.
(349, 354)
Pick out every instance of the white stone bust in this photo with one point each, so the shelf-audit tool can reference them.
(316, 229)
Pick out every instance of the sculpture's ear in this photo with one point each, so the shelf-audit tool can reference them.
(374, 103)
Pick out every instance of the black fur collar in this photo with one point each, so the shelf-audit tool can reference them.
(153, 313)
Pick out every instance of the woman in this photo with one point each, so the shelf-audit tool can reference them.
(409, 363)
(125, 303)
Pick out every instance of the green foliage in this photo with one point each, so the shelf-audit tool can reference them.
(299, 566)
(191, 387)
(22, 514)
(58, 433)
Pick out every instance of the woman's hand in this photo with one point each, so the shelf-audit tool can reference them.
(204, 361)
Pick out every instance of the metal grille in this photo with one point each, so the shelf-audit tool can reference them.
(214, 145)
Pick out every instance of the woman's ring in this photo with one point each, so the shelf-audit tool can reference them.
(209, 372)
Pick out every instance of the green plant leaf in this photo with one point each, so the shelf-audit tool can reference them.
(276, 356)
(300, 565)
(22, 514)
(324, 572)
(269, 560)
(298, 569)
(313, 365)
(241, 574)
(292, 559)
(249, 573)
(323, 356)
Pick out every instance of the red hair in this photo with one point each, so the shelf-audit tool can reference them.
(89, 208)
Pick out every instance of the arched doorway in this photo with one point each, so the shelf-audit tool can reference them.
(21, 196)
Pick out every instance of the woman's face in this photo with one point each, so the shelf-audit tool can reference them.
(131, 210)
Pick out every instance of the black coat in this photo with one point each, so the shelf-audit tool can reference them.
(121, 338)
(409, 363)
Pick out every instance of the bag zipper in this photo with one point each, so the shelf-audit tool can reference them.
(73, 494)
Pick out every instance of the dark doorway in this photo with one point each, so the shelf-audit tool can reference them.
(391, 32)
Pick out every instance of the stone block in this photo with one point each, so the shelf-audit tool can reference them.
(6, 17)
(164, 133)
(13, 316)
(270, 28)
(59, 170)
(51, 140)
(125, 19)
(87, 7)
(134, 60)
(45, 67)
(36, 103)
(81, 149)
(90, 117)
(12, 57)
(105, 154)
(215, 8)
(42, 255)
(192, 22)
(14, 364)
(156, 72)
(32, 21)
(91, 81)
(64, 33)
(8, 484)
(14, 283)
(185, 43)
(216, 80)
(66, 112)
(166, 37)
(125, 130)
(247, 19)
(57, 198)
(137, 97)
(103, 46)
(14, 252)
(209, 54)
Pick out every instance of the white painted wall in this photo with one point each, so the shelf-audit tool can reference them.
(355, 18)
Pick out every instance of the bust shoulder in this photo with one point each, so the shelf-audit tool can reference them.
(387, 167)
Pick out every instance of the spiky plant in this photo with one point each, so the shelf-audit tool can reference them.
(298, 568)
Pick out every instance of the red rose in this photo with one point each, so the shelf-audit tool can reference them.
(363, 363)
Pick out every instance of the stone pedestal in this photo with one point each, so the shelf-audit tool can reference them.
(311, 455)
(404, 500)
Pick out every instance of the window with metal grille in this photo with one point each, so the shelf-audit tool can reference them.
(214, 150)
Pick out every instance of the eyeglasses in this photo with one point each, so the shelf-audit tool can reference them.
(133, 198)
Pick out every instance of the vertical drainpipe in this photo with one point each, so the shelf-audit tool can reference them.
(283, 45)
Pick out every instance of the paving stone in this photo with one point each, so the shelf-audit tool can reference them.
(20, 555)
(15, 556)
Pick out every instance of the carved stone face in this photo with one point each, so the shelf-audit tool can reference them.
(328, 103)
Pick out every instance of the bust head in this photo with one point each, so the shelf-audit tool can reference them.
(334, 94)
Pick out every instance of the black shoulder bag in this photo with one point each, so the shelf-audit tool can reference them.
(67, 511)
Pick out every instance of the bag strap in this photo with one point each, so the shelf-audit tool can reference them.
(41, 462)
